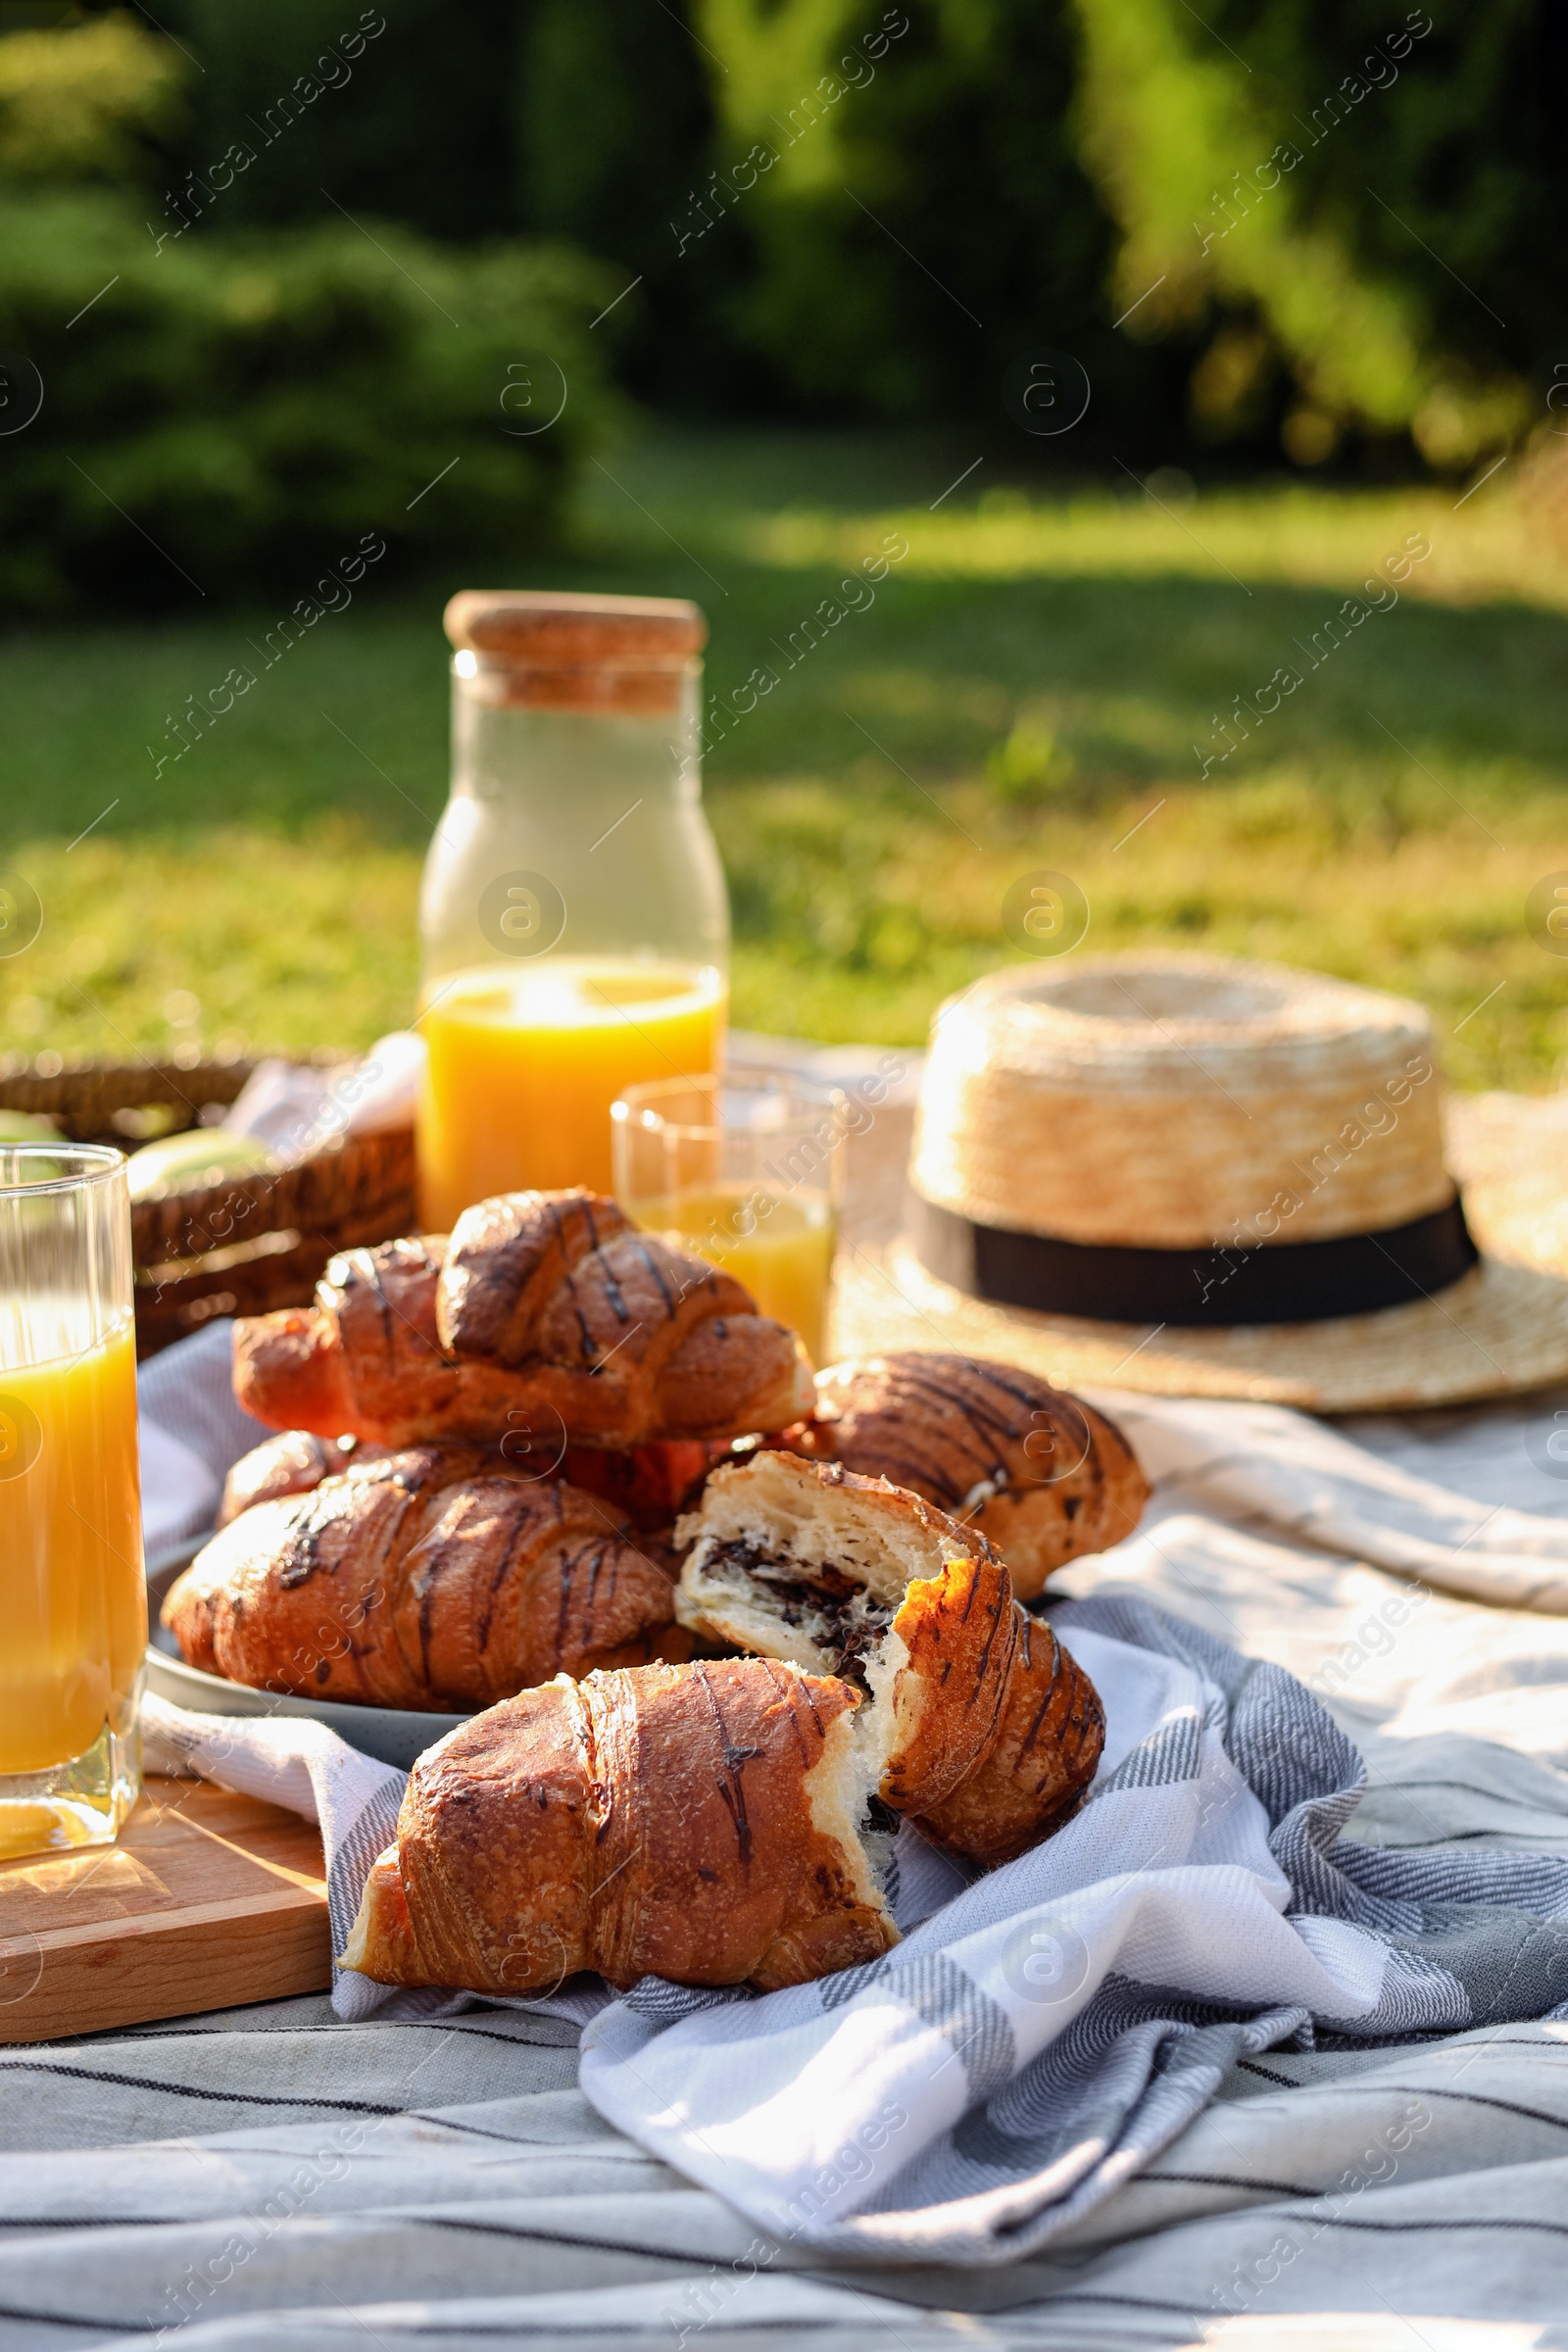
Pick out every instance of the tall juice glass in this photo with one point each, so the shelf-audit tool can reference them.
(574, 922)
(72, 1601)
(746, 1169)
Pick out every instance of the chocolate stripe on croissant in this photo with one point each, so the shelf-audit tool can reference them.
(649, 1485)
(540, 1303)
(421, 1579)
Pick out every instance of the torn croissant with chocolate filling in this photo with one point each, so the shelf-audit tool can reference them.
(979, 1724)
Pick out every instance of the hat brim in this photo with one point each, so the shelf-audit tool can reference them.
(1501, 1329)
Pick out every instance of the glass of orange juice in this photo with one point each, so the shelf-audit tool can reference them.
(73, 1600)
(574, 915)
(747, 1170)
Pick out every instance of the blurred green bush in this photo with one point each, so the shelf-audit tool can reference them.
(96, 104)
(1322, 232)
(224, 410)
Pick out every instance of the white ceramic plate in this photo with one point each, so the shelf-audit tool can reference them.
(393, 1734)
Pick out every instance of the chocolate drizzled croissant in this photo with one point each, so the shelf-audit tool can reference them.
(544, 1312)
(1042, 1474)
(421, 1579)
(980, 1724)
(691, 1822)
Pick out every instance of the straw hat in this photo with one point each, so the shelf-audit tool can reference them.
(1199, 1176)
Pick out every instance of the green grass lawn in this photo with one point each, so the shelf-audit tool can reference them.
(1026, 692)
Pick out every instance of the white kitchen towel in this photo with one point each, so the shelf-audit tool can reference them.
(1042, 2038)
(1042, 2034)
(299, 1109)
(1266, 1462)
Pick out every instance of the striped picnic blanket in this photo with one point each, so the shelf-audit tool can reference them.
(282, 2175)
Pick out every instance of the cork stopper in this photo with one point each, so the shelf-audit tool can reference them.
(551, 650)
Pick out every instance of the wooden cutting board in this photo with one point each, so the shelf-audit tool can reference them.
(207, 1900)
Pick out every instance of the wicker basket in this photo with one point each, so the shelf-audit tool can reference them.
(238, 1248)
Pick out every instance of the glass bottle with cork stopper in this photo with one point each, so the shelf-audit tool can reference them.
(574, 917)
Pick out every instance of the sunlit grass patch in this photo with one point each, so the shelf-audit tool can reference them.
(1038, 684)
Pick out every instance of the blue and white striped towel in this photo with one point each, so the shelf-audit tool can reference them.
(1041, 2034)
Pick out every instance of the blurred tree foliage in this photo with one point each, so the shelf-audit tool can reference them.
(418, 126)
(1321, 230)
(920, 214)
(192, 406)
(615, 126)
(99, 106)
(1355, 202)
(1344, 208)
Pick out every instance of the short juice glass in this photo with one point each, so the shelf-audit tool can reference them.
(745, 1169)
(73, 1597)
